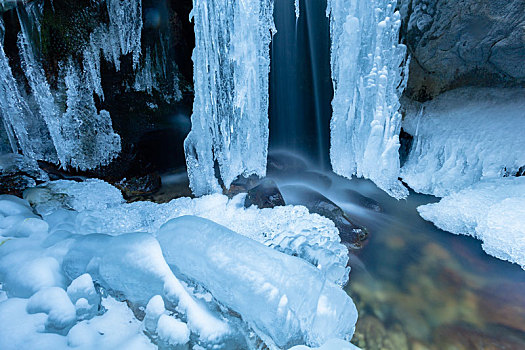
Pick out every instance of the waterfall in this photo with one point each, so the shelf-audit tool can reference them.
(230, 111)
(300, 85)
(369, 75)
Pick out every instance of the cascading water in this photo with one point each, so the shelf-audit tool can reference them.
(300, 87)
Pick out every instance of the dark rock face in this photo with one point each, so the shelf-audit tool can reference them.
(18, 173)
(265, 195)
(138, 186)
(455, 43)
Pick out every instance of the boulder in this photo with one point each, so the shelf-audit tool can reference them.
(459, 43)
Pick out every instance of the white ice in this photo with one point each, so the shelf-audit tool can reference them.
(491, 210)
(58, 272)
(464, 136)
(265, 286)
(230, 112)
(369, 74)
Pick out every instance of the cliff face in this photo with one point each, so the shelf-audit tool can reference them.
(456, 43)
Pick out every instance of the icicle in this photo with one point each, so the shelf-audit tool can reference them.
(368, 76)
(230, 112)
(125, 19)
(87, 134)
(297, 10)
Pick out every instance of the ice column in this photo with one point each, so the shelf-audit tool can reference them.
(368, 74)
(230, 112)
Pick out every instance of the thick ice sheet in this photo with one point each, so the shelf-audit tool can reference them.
(464, 136)
(230, 112)
(491, 210)
(369, 75)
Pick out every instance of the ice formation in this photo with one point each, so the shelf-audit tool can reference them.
(230, 111)
(259, 283)
(369, 75)
(491, 210)
(26, 131)
(464, 136)
(290, 229)
(62, 274)
(63, 124)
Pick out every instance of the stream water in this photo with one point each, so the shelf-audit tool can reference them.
(418, 287)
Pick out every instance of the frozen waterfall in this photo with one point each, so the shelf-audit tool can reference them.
(230, 111)
(369, 75)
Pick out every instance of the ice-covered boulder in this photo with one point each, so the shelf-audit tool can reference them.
(284, 299)
(491, 210)
(132, 265)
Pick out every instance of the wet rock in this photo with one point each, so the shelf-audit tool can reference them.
(265, 195)
(139, 186)
(460, 337)
(284, 162)
(18, 173)
(352, 235)
(362, 201)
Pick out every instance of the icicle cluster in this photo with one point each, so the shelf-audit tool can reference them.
(25, 130)
(65, 125)
(368, 76)
(230, 112)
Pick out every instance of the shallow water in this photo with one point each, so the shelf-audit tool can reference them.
(418, 287)
(415, 286)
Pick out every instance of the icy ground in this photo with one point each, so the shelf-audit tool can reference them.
(80, 268)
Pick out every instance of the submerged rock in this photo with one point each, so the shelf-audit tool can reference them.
(363, 201)
(265, 195)
(352, 235)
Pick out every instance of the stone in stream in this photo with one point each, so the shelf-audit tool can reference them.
(264, 195)
(363, 201)
(352, 235)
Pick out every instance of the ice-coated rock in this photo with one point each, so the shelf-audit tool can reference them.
(290, 229)
(172, 331)
(284, 299)
(369, 75)
(54, 302)
(132, 265)
(491, 210)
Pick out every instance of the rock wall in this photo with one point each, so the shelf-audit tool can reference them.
(456, 43)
